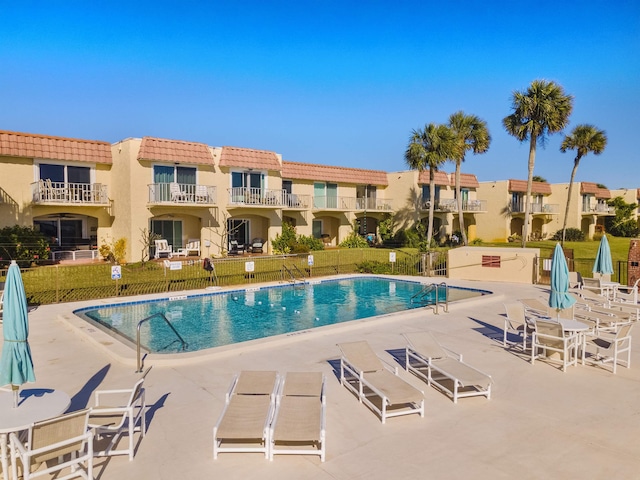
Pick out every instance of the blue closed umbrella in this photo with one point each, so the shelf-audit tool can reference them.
(603, 263)
(560, 298)
(16, 365)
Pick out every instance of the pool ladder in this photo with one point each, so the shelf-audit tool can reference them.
(294, 278)
(433, 287)
(184, 344)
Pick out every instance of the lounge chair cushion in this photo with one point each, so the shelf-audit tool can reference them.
(298, 419)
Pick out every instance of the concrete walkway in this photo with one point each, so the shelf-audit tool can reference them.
(540, 422)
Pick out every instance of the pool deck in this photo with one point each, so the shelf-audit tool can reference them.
(539, 423)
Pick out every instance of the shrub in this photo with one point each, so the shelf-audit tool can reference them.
(286, 241)
(354, 241)
(373, 267)
(312, 243)
(571, 235)
(477, 241)
(23, 244)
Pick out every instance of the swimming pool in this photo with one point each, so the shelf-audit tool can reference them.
(216, 319)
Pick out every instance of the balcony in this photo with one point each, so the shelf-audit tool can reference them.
(56, 193)
(598, 209)
(536, 208)
(184, 194)
(371, 204)
(261, 197)
(450, 205)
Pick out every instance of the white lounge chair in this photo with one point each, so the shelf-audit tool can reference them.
(111, 423)
(51, 441)
(429, 360)
(163, 249)
(177, 195)
(298, 426)
(244, 425)
(192, 247)
(362, 372)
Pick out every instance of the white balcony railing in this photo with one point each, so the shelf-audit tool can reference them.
(599, 208)
(181, 193)
(48, 192)
(383, 204)
(263, 197)
(450, 205)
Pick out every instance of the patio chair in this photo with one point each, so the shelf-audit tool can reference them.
(593, 285)
(112, 423)
(177, 195)
(551, 339)
(535, 307)
(192, 246)
(298, 426)
(63, 442)
(362, 372)
(202, 194)
(163, 249)
(610, 348)
(244, 424)
(429, 360)
(517, 323)
(235, 248)
(256, 245)
(627, 294)
(575, 280)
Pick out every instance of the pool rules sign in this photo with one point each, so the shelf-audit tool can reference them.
(116, 272)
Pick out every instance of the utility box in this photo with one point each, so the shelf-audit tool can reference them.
(633, 265)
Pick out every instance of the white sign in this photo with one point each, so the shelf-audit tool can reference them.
(546, 265)
(175, 266)
(249, 266)
(392, 257)
(116, 272)
(310, 260)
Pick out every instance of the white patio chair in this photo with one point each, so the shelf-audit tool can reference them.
(192, 246)
(609, 348)
(63, 442)
(177, 195)
(112, 423)
(516, 322)
(163, 249)
(551, 339)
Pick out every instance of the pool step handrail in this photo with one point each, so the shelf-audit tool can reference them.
(294, 279)
(445, 287)
(184, 344)
(428, 289)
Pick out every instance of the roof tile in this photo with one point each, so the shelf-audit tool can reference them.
(441, 178)
(309, 171)
(594, 189)
(249, 158)
(164, 150)
(467, 180)
(539, 188)
(29, 145)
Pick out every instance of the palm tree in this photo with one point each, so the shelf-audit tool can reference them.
(429, 148)
(543, 109)
(471, 134)
(583, 139)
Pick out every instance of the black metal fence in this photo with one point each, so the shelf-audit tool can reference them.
(583, 266)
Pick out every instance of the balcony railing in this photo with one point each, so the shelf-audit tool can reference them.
(262, 197)
(450, 205)
(535, 208)
(48, 192)
(334, 203)
(599, 208)
(181, 193)
(383, 204)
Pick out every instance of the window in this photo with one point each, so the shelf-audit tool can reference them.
(491, 261)
(170, 230)
(238, 230)
(316, 229)
(426, 193)
(174, 173)
(287, 186)
(325, 195)
(64, 173)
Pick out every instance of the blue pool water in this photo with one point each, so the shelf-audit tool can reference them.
(216, 319)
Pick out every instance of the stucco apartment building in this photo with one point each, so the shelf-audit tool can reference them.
(84, 193)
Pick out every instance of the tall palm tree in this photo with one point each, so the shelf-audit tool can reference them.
(429, 148)
(583, 139)
(543, 109)
(471, 134)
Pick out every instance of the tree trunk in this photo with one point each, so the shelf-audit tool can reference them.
(432, 198)
(566, 211)
(459, 204)
(527, 205)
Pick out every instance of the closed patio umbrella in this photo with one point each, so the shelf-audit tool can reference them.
(560, 298)
(16, 365)
(603, 263)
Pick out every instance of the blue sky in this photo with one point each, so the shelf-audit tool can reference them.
(337, 83)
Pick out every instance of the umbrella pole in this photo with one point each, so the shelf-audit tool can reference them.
(15, 389)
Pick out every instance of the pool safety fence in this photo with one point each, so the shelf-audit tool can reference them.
(72, 283)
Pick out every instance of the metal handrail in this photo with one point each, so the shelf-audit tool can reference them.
(425, 290)
(185, 345)
(293, 277)
(446, 295)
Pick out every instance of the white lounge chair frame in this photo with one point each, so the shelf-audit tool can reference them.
(300, 416)
(556, 342)
(364, 373)
(438, 365)
(608, 349)
(246, 418)
(53, 439)
(112, 423)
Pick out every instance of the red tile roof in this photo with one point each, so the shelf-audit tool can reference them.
(539, 188)
(29, 145)
(163, 150)
(592, 188)
(467, 180)
(441, 178)
(308, 171)
(248, 158)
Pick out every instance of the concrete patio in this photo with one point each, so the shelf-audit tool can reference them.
(540, 422)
